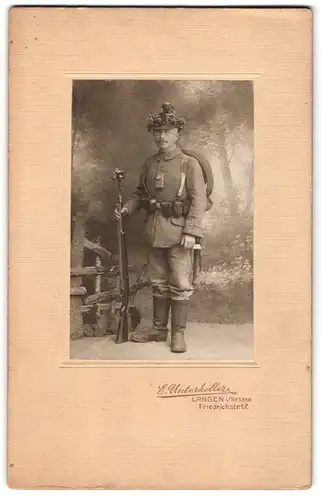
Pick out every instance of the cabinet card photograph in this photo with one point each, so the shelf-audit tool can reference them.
(160, 248)
(161, 220)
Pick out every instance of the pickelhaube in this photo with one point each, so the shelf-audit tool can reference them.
(166, 117)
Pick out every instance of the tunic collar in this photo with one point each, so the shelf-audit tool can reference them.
(171, 154)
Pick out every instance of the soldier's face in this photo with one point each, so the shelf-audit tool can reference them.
(166, 138)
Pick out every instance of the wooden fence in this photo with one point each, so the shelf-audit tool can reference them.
(104, 304)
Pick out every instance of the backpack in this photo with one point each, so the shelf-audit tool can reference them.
(207, 173)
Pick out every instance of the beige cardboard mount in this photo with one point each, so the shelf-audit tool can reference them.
(74, 424)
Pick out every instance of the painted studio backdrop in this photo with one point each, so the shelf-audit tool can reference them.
(109, 131)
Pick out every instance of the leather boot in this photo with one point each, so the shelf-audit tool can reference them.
(179, 319)
(159, 330)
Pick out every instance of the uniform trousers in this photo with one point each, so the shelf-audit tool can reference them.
(170, 272)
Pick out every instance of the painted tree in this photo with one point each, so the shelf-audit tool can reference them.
(223, 112)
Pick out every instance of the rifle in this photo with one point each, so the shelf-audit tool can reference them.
(129, 315)
(123, 324)
(197, 261)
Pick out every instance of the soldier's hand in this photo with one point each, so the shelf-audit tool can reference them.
(188, 241)
(124, 211)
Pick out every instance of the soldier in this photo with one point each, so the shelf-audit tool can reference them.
(171, 188)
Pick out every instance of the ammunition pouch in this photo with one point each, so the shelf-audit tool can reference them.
(175, 208)
(180, 208)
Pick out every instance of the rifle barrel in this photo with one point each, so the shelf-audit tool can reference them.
(123, 327)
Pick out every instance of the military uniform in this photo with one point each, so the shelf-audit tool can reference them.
(172, 190)
(170, 264)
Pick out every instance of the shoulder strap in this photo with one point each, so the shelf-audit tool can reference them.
(183, 179)
(182, 184)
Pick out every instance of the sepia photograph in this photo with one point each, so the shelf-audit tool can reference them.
(160, 248)
(161, 265)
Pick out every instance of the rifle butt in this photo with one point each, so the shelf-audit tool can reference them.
(123, 330)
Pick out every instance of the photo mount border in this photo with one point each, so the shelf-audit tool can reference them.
(68, 362)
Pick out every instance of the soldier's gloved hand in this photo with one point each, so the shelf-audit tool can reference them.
(188, 241)
(124, 211)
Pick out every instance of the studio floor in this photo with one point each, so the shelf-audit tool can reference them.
(205, 342)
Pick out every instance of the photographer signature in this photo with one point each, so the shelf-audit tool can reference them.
(181, 390)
